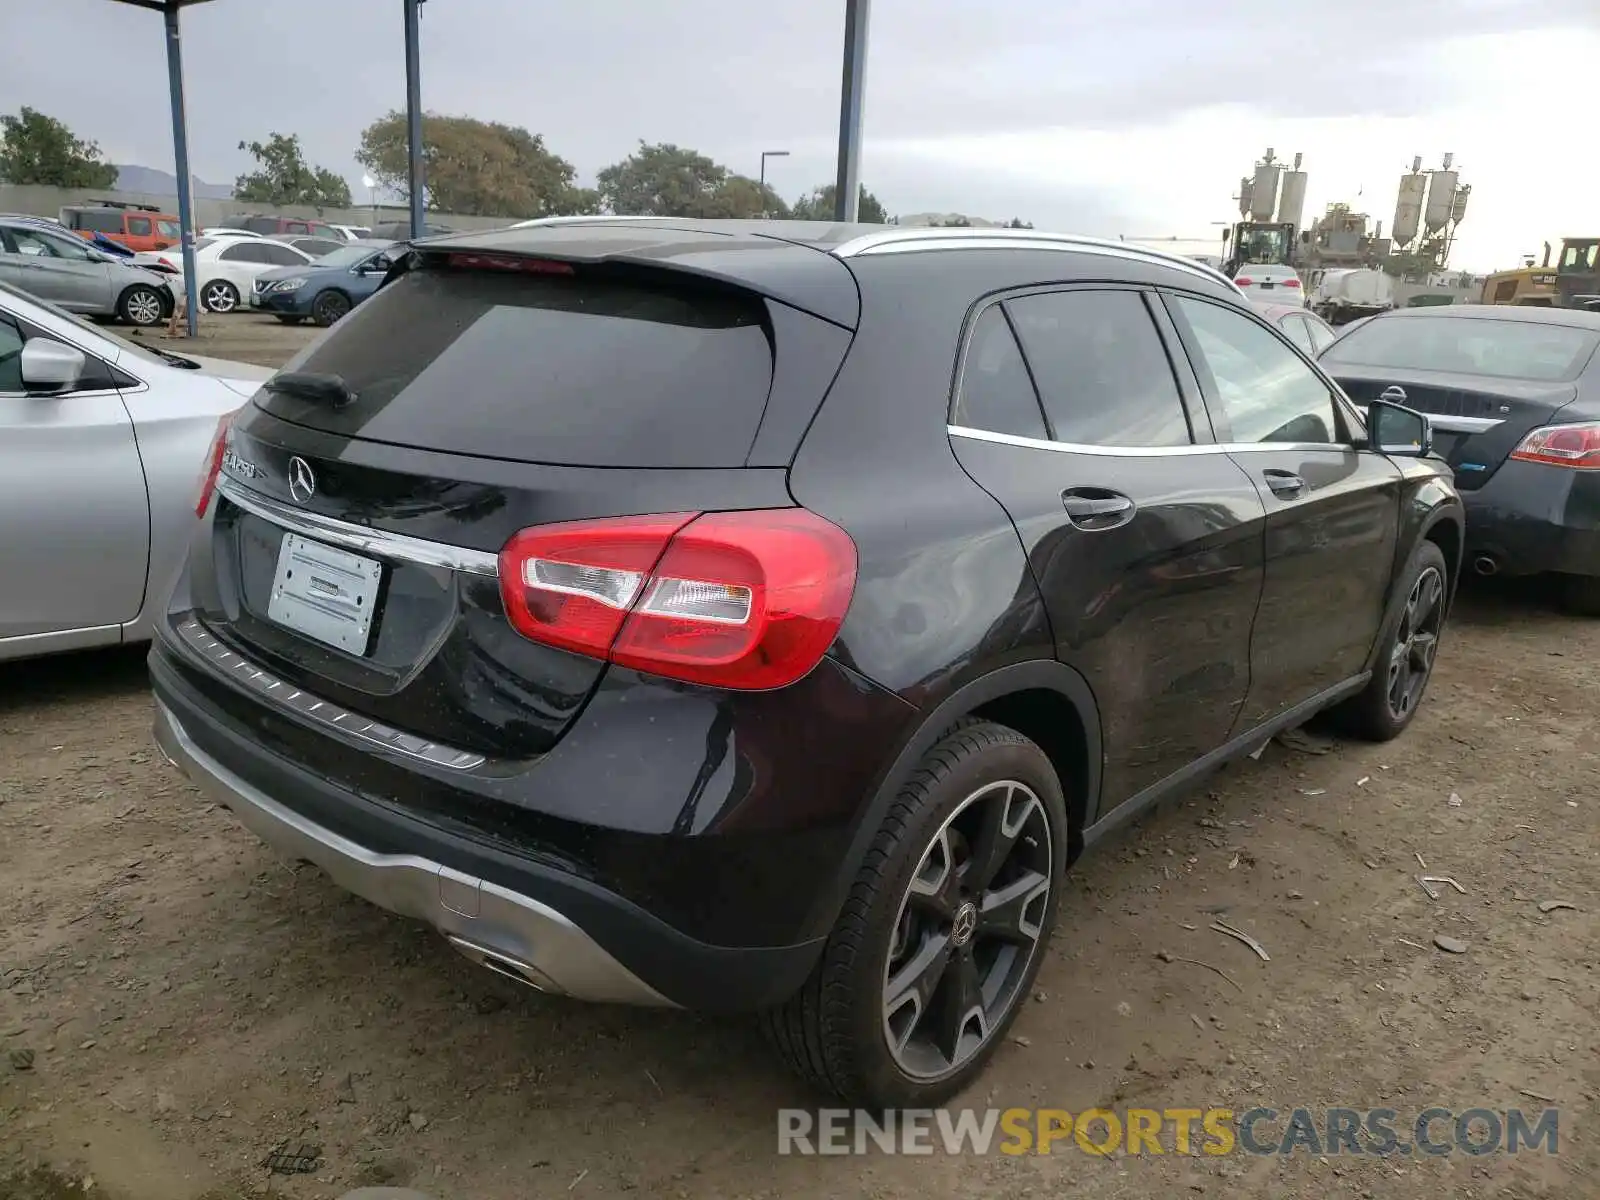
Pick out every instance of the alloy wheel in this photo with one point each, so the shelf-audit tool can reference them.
(1416, 642)
(968, 929)
(219, 297)
(143, 307)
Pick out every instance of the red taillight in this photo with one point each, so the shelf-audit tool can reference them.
(1562, 446)
(1291, 282)
(1244, 281)
(737, 600)
(508, 262)
(212, 467)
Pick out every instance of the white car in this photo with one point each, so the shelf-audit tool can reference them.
(1270, 283)
(101, 444)
(355, 233)
(227, 266)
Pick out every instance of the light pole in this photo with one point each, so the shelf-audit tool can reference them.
(766, 154)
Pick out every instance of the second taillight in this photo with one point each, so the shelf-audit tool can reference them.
(747, 600)
(1575, 445)
(212, 466)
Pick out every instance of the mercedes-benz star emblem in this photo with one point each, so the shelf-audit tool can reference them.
(966, 924)
(302, 480)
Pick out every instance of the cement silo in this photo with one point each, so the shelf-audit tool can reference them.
(1458, 207)
(1408, 207)
(1292, 200)
(1264, 188)
(1441, 196)
(1246, 185)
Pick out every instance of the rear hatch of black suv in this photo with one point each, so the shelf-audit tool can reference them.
(1486, 381)
(598, 386)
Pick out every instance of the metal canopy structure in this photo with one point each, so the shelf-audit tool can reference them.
(847, 186)
(169, 10)
(180, 143)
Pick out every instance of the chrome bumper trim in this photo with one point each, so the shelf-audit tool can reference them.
(517, 935)
(361, 538)
(324, 712)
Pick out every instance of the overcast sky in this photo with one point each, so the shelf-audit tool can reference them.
(1135, 117)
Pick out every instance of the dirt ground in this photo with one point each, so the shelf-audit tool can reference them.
(190, 1002)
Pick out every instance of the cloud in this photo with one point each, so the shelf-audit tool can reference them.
(1102, 117)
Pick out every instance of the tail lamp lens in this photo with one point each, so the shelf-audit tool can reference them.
(1562, 446)
(746, 600)
(212, 466)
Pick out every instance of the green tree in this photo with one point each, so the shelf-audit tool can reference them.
(283, 176)
(36, 148)
(818, 206)
(956, 222)
(664, 180)
(741, 196)
(1018, 223)
(476, 168)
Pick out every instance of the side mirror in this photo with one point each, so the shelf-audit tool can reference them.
(50, 366)
(1396, 430)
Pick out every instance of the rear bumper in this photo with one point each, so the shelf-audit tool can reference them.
(499, 928)
(1530, 518)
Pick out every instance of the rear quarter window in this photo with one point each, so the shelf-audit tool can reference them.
(595, 370)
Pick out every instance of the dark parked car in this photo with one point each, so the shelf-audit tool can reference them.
(327, 289)
(642, 606)
(1514, 395)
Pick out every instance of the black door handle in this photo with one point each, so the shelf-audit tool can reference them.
(1284, 483)
(1096, 508)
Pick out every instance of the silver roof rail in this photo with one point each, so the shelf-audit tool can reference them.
(913, 238)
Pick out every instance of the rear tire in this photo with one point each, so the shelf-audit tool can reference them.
(897, 1011)
(1580, 595)
(1407, 650)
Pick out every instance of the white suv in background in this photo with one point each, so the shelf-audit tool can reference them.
(1270, 283)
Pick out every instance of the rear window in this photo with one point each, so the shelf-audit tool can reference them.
(1468, 346)
(590, 370)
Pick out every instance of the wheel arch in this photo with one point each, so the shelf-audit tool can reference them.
(1044, 700)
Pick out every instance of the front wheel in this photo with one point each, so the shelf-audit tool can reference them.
(329, 307)
(219, 296)
(141, 305)
(943, 932)
(1408, 645)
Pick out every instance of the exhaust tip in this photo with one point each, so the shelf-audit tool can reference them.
(503, 964)
(1485, 565)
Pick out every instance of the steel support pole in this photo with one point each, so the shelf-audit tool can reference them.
(847, 186)
(180, 150)
(414, 177)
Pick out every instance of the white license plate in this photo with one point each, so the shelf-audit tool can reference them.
(325, 593)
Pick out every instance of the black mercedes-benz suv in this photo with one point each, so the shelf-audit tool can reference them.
(761, 616)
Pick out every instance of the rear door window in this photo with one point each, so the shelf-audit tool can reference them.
(139, 226)
(97, 220)
(1101, 369)
(601, 369)
(1294, 327)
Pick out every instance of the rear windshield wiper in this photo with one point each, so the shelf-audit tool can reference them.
(311, 385)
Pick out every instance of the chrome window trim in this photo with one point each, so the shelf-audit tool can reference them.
(361, 538)
(1011, 439)
(911, 240)
(323, 712)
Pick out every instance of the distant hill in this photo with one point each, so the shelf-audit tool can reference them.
(164, 183)
(921, 219)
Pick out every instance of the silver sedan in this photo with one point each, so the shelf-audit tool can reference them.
(66, 271)
(101, 446)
